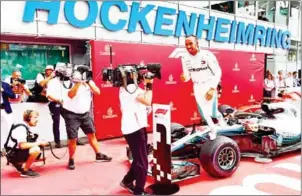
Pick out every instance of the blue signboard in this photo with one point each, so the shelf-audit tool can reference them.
(238, 32)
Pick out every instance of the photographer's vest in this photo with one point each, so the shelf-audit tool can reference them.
(10, 150)
(13, 127)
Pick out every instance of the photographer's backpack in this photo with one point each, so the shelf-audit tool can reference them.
(10, 151)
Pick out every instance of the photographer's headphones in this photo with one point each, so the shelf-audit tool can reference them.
(27, 114)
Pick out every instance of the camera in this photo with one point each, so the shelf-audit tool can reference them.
(75, 73)
(131, 74)
(32, 137)
(20, 80)
(81, 73)
(63, 71)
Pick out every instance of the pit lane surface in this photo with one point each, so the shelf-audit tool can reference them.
(280, 177)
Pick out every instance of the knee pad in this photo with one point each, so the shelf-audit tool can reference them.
(35, 149)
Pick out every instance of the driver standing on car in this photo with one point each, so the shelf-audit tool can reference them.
(202, 67)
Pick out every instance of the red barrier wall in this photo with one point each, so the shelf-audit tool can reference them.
(242, 78)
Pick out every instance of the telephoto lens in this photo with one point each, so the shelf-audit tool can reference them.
(21, 80)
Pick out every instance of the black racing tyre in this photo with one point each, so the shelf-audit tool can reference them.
(220, 157)
(225, 109)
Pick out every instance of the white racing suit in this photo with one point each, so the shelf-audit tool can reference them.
(204, 71)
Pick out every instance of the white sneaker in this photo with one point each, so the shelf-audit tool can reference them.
(212, 135)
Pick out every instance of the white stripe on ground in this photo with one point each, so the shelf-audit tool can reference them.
(289, 166)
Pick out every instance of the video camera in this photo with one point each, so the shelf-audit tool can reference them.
(75, 73)
(81, 73)
(63, 71)
(131, 74)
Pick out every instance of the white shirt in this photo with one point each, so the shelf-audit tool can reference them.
(203, 68)
(269, 84)
(20, 134)
(81, 102)
(56, 89)
(39, 78)
(289, 81)
(281, 83)
(134, 113)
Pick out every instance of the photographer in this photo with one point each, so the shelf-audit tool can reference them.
(19, 87)
(41, 82)
(133, 126)
(56, 89)
(21, 145)
(76, 113)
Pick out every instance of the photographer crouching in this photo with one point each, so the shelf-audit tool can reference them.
(22, 145)
(76, 104)
(135, 103)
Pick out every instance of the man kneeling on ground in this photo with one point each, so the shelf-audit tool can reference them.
(21, 145)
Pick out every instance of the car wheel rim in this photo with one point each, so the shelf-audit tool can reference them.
(227, 158)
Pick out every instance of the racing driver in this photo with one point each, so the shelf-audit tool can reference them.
(201, 66)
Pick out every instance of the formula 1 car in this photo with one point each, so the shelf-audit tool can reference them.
(293, 96)
(274, 131)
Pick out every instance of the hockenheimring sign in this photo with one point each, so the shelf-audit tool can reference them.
(236, 32)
